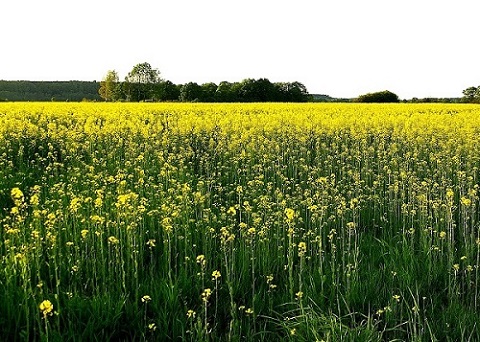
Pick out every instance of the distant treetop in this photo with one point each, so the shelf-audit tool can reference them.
(385, 96)
(472, 95)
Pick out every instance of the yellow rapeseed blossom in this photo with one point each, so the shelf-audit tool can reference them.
(201, 260)
(46, 308)
(215, 275)
(113, 240)
(232, 211)
(466, 201)
(206, 295)
(302, 248)
(35, 200)
(146, 299)
(289, 214)
(75, 204)
(17, 196)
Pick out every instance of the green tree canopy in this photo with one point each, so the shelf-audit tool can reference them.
(143, 73)
(108, 86)
(208, 92)
(472, 94)
(141, 82)
(190, 91)
(167, 91)
(381, 96)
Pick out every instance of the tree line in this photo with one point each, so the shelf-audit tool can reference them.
(49, 91)
(144, 83)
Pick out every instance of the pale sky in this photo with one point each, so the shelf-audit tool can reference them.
(343, 48)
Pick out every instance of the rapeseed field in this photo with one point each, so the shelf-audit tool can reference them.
(239, 222)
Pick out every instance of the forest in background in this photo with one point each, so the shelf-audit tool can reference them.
(248, 90)
(49, 90)
(88, 91)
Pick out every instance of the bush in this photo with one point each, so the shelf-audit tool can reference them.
(381, 96)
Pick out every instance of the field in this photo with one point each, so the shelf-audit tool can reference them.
(239, 222)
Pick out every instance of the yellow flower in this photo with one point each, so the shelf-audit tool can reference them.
(46, 308)
(113, 240)
(216, 275)
(302, 248)
(17, 195)
(201, 259)
(75, 204)
(290, 214)
(98, 202)
(206, 295)
(191, 314)
(450, 193)
(466, 201)
(34, 200)
(146, 299)
(231, 211)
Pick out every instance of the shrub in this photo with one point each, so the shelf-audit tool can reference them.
(381, 96)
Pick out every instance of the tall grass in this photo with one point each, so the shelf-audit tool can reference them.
(253, 222)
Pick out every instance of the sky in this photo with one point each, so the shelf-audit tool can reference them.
(342, 48)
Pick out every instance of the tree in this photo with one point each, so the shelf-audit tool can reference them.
(208, 92)
(471, 94)
(264, 90)
(225, 92)
(246, 90)
(143, 73)
(291, 92)
(108, 86)
(190, 92)
(166, 91)
(381, 96)
(141, 81)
